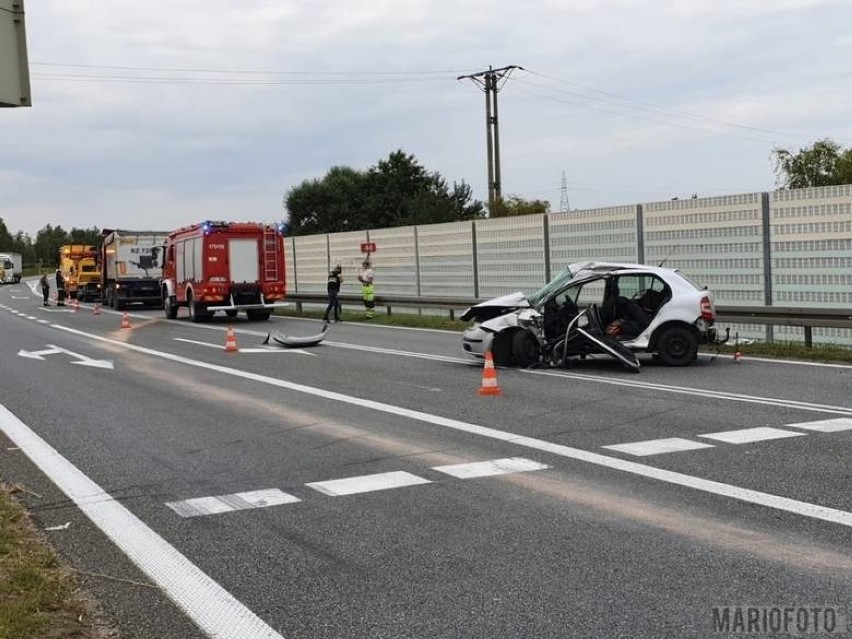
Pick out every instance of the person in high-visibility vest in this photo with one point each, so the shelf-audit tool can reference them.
(367, 292)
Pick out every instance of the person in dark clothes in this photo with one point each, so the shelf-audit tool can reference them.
(45, 288)
(335, 279)
(60, 288)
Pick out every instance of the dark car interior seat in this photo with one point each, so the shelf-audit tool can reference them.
(608, 311)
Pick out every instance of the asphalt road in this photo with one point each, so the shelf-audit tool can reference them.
(365, 489)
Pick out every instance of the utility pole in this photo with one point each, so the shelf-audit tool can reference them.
(491, 81)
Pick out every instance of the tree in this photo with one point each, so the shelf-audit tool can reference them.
(515, 205)
(397, 191)
(825, 163)
(5, 236)
(91, 237)
(47, 243)
(23, 244)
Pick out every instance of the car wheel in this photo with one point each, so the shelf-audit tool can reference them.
(501, 349)
(677, 346)
(525, 349)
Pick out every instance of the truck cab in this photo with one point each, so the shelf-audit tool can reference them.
(80, 270)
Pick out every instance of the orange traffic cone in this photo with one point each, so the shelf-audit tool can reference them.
(738, 356)
(96, 309)
(231, 341)
(489, 377)
(125, 320)
(76, 305)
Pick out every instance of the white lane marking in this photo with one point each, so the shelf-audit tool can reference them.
(658, 446)
(211, 607)
(31, 317)
(43, 321)
(367, 483)
(285, 318)
(766, 360)
(777, 502)
(391, 351)
(751, 435)
(270, 349)
(200, 506)
(825, 426)
(490, 468)
(700, 392)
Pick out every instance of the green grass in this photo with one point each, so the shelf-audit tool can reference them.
(38, 597)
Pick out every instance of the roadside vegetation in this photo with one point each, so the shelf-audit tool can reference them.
(39, 598)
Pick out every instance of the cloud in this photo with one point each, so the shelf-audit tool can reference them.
(219, 107)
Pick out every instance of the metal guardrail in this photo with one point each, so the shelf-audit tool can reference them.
(807, 318)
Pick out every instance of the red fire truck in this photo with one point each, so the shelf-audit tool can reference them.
(224, 266)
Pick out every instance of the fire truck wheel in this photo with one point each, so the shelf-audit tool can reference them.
(255, 315)
(170, 307)
(197, 312)
(232, 313)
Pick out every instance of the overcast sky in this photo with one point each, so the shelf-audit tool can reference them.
(156, 114)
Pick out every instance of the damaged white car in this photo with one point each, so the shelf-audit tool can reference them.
(596, 308)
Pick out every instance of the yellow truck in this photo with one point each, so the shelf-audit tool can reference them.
(79, 266)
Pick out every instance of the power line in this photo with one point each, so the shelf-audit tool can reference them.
(633, 103)
(243, 71)
(72, 77)
(686, 127)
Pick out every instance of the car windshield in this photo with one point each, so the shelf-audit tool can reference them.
(552, 287)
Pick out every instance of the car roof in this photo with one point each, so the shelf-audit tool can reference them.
(615, 267)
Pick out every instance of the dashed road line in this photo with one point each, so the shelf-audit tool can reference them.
(751, 435)
(491, 468)
(658, 446)
(367, 483)
(825, 425)
(200, 506)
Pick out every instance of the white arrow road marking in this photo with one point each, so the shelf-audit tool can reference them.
(270, 349)
(38, 354)
(55, 350)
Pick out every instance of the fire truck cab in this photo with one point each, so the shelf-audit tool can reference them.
(224, 266)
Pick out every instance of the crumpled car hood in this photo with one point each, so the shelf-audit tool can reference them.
(495, 307)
